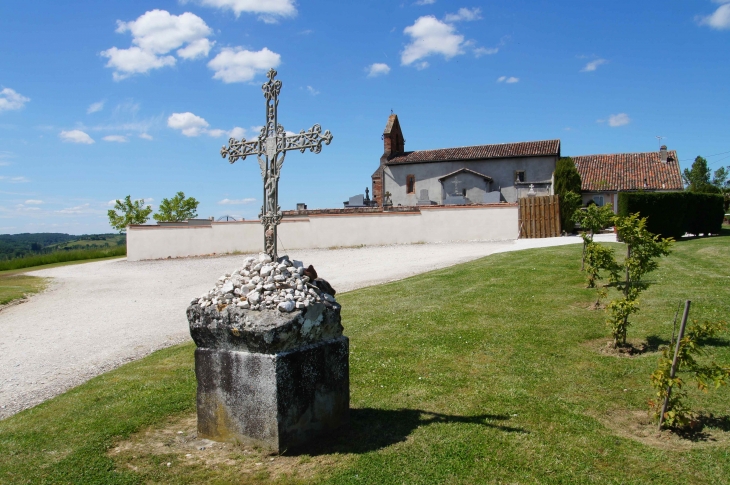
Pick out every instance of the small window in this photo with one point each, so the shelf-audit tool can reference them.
(410, 184)
(519, 175)
(463, 192)
(598, 199)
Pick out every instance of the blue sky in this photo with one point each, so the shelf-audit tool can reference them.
(99, 100)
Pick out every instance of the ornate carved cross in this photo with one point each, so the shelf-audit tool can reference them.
(270, 148)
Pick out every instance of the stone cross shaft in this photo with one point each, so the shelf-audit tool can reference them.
(270, 148)
(456, 186)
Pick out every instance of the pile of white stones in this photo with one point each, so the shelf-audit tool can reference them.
(263, 284)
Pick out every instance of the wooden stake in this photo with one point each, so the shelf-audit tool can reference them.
(674, 362)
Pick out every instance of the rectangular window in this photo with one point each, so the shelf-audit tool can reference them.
(598, 199)
(410, 184)
(519, 175)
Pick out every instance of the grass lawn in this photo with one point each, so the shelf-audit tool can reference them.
(16, 286)
(486, 372)
(62, 257)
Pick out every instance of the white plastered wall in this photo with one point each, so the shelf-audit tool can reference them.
(438, 224)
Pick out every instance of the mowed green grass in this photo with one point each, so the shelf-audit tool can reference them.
(62, 257)
(478, 373)
(16, 286)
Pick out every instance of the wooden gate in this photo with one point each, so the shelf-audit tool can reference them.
(539, 217)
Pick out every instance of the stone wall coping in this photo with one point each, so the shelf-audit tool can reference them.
(305, 215)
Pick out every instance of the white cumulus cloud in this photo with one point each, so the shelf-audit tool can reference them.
(508, 80)
(116, 138)
(236, 201)
(377, 69)
(11, 100)
(464, 14)
(234, 65)
(425, 2)
(431, 36)
(188, 123)
(269, 10)
(593, 65)
(620, 119)
(134, 60)
(312, 91)
(145, 136)
(720, 18)
(192, 125)
(94, 107)
(76, 136)
(154, 35)
(33, 202)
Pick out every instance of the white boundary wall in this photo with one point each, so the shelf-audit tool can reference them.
(322, 231)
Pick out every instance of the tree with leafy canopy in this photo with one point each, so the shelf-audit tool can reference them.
(179, 208)
(720, 180)
(567, 181)
(130, 212)
(697, 178)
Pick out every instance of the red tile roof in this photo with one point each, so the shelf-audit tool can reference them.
(503, 150)
(629, 171)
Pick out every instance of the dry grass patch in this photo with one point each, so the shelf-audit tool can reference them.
(173, 453)
(640, 426)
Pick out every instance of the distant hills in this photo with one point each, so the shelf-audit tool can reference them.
(19, 245)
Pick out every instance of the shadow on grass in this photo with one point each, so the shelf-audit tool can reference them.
(715, 342)
(699, 432)
(654, 342)
(373, 429)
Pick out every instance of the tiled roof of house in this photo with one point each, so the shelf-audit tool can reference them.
(503, 150)
(629, 171)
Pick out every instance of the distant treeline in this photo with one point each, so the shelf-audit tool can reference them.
(13, 246)
(61, 257)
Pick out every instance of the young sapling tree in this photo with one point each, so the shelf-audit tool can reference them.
(642, 251)
(592, 219)
(678, 414)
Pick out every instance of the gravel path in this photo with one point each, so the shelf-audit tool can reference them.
(96, 316)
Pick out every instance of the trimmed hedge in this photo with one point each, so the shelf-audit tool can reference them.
(672, 214)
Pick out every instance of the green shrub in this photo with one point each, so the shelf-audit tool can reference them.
(672, 214)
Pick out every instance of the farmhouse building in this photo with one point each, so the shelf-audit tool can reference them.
(464, 175)
(604, 176)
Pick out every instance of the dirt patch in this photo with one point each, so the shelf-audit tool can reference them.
(175, 449)
(633, 347)
(641, 427)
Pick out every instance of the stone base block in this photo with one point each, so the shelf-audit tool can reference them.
(277, 400)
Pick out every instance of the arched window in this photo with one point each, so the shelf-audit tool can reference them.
(410, 184)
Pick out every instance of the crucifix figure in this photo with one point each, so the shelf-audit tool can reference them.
(270, 148)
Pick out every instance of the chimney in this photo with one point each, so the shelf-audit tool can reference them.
(663, 153)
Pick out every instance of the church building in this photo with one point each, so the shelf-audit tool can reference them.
(464, 175)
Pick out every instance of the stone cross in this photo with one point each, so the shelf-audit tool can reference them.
(456, 186)
(270, 148)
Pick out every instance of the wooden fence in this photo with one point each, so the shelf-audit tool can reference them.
(539, 217)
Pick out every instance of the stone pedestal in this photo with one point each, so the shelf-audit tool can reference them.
(270, 378)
